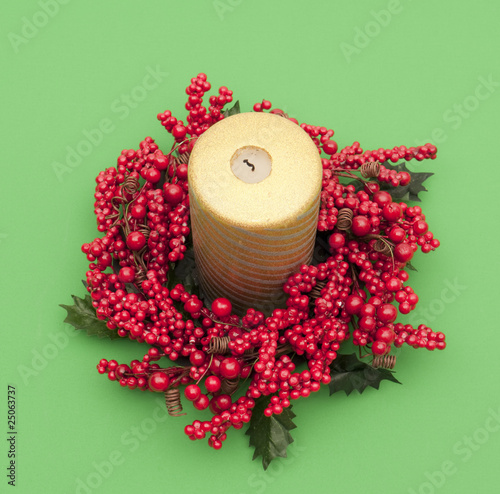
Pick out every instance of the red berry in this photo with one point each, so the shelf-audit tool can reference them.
(379, 348)
(179, 132)
(404, 178)
(126, 275)
(161, 162)
(404, 307)
(393, 284)
(192, 392)
(367, 323)
(153, 175)
(371, 188)
(173, 193)
(361, 226)
(213, 384)
(216, 444)
(391, 211)
(330, 147)
(230, 368)
(420, 227)
(220, 403)
(222, 307)
(158, 381)
(121, 370)
(403, 252)
(181, 171)
(368, 310)
(336, 240)
(202, 402)
(138, 211)
(397, 234)
(136, 241)
(382, 198)
(387, 313)
(193, 305)
(112, 365)
(353, 304)
(245, 371)
(386, 335)
(197, 358)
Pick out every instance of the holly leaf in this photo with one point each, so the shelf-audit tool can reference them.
(270, 436)
(349, 374)
(410, 266)
(131, 288)
(407, 192)
(172, 279)
(185, 271)
(115, 263)
(82, 315)
(234, 110)
(321, 248)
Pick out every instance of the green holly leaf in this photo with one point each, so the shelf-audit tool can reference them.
(172, 279)
(321, 248)
(270, 436)
(234, 110)
(349, 374)
(115, 263)
(410, 266)
(185, 272)
(407, 192)
(82, 315)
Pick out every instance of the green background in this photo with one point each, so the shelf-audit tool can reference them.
(382, 72)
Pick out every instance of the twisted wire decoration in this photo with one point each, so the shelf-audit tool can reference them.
(384, 361)
(371, 169)
(344, 219)
(131, 185)
(219, 344)
(173, 402)
(383, 247)
(182, 158)
(229, 386)
(316, 291)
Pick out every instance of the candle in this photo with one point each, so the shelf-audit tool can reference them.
(254, 187)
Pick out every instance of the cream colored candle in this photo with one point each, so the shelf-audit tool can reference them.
(254, 187)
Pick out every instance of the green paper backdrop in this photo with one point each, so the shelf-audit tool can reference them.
(83, 80)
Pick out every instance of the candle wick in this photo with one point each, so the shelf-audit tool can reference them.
(249, 164)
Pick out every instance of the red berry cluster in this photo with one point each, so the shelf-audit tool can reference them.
(352, 157)
(421, 337)
(199, 117)
(142, 209)
(372, 216)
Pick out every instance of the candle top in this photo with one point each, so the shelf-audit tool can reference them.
(255, 171)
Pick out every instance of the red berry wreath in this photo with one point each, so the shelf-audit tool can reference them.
(353, 289)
